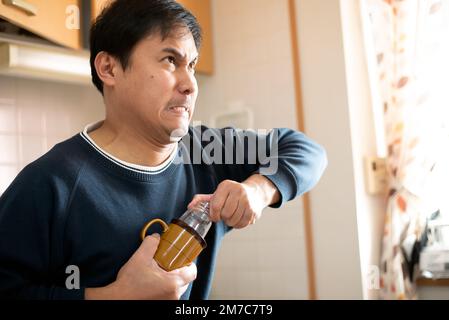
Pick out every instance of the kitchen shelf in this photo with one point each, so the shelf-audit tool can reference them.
(432, 282)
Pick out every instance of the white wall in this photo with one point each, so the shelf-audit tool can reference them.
(34, 115)
(253, 66)
(326, 103)
(370, 208)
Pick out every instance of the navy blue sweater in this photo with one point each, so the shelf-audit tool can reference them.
(77, 206)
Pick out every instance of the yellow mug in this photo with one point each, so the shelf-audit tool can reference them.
(179, 245)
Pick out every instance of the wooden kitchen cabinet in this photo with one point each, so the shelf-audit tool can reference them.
(97, 6)
(202, 10)
(54, 20)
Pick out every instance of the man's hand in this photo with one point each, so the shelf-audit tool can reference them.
(141, 278)
(239, 204)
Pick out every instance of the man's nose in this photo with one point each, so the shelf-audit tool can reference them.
(187, 83)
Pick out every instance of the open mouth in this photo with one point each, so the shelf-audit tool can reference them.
(179, 110)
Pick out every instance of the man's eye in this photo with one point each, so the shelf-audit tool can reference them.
(171, 59)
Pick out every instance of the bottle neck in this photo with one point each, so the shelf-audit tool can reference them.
(198, 218)
(204, 207)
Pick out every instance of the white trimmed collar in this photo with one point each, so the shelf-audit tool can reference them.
(130, 166)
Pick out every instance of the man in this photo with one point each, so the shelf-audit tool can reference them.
(84, 202)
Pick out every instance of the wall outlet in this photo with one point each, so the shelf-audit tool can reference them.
(376, 175)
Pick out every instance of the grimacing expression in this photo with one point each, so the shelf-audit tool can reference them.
(158, 87)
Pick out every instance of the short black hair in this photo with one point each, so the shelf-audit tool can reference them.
(123, 23)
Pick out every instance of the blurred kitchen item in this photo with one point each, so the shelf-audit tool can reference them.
(434, 258)
(31, 59)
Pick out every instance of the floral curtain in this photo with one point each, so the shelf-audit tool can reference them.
(410, 40)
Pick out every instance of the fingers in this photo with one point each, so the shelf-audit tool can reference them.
(230, 207)
(181, 278)
(217, 202)
(199, 198)
(157, 236)
(246, 219)
(186, 274)
(233, 202)
(149, 245)
(237, 214)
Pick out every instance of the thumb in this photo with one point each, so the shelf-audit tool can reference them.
(150, 244)
(199, 198)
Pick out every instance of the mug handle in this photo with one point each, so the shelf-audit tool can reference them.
(143, 233)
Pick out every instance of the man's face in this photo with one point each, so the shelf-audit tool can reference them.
(157, 92)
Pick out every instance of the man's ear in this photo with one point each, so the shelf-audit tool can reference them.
(107, 67)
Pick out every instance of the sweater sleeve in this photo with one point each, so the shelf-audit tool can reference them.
(298, 161)
(288, 158)
(27, 244)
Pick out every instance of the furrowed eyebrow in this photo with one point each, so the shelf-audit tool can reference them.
(194, 61)
(178, 54)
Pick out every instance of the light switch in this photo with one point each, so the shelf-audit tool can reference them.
(235, 115)
(376, 175)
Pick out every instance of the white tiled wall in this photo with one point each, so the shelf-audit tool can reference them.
(35, 115)
(253, 67)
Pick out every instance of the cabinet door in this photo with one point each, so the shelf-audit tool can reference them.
(55, 20)
(202, 11)
(97, 6)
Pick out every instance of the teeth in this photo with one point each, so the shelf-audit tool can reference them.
(177, 108)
